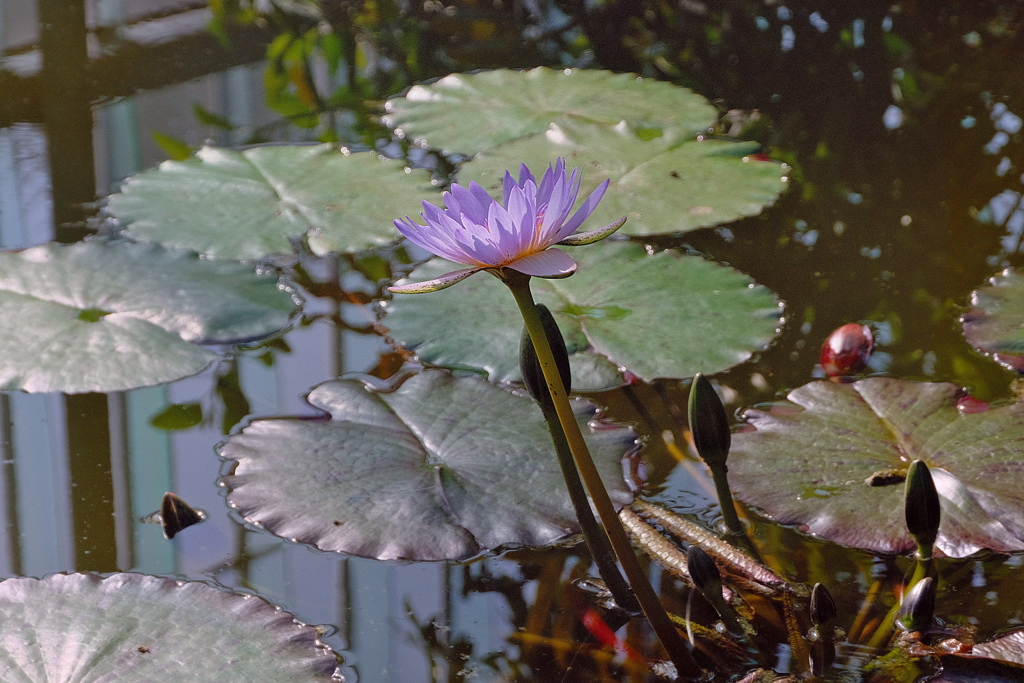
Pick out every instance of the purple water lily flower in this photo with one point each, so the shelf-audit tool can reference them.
(518, 233)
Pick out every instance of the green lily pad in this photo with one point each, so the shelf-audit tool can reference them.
(468, 113)
(443, 468)
(995, 323)
(107, 316)
(832, 459)
(666, 315)
(662, 185)
(250, 204)
(133, 628)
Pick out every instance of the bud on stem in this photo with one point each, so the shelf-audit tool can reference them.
(823, 613)
(918, 606)
(921, 507)
(529, 365)
(708, 423)
(823, 607)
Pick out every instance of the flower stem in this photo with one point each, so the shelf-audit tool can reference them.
(677, 648)
(594, 534)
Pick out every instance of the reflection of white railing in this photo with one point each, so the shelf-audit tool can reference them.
(107, 21)
(369, 601)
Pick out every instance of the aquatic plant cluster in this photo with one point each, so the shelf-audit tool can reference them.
(405, 471)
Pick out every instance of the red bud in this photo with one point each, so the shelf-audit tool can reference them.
(846, 350)
(965, 405)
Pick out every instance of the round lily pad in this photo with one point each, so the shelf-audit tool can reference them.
(112, 316)
(832, 459)
(443, 468)
(661, 315)
(133, 628)
(250, 204)
(662, 185)
(468, 113)
(995, 323)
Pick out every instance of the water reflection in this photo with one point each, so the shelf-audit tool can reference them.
(888, 115)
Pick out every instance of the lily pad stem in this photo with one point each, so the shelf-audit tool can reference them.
(677, 648)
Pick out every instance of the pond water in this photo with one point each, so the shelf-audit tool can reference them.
(902, 125)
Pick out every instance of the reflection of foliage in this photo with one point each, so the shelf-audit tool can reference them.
(332, 61)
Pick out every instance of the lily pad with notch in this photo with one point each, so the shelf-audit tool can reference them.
(250, 204)
(135, 628)
(441, 468)
(832, 459)
(467, 113)
(667, 184)
(112, 316)
(661, 315)
(995, 323)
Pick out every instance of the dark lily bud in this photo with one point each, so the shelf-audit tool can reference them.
(846, 350)
(823, 607)
(918, 606)
(176, 514)
(529, 365)
(921, 507)
(704, 573)
(708, 422)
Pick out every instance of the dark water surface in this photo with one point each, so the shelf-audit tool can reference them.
(902, 122)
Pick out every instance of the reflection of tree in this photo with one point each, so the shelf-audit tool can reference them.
(890, 115)
(334, 61)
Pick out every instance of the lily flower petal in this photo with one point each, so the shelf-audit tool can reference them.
(578, 239)
(518, 232)
(587, 208)
(437, 284)
(550, 263)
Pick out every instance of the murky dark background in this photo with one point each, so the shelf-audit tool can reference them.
(902, 122)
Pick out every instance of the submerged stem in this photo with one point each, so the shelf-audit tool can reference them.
(678, 649)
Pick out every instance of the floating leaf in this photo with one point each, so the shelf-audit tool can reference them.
(966, 669)
(249, 204)
(995, 324)
(666, 315)
(441, 468)
(103, 316)
(1000, 660)
(1008, 647)
(834, 458)
(468, 113)
(664, 185)
(133, 628)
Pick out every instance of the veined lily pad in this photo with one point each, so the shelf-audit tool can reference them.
(443, 468)
(103, 316)
(662, 185)
(832, 460)
(468, 113)
(249, 204)
(133, 628)
(1008, 647)
(995, 324)
(1000, 660)
(666, 315)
